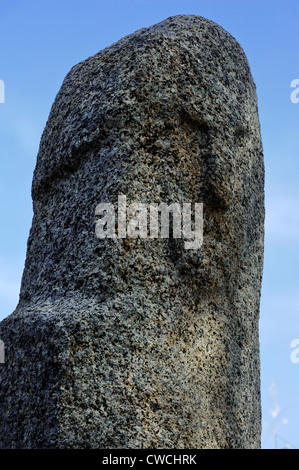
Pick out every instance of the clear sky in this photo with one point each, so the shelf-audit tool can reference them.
(42, 39)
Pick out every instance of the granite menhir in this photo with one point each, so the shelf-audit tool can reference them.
(140, 342)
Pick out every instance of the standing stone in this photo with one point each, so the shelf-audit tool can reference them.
(140, 342)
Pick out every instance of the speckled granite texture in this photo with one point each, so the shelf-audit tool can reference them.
(140, 343)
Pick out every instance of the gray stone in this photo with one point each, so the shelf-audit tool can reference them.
(141, 343)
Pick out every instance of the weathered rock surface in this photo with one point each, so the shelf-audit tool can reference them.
(140, 343)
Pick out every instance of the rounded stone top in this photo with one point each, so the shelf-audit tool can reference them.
(185, 65)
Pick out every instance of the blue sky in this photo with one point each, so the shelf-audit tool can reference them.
(42, 39)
